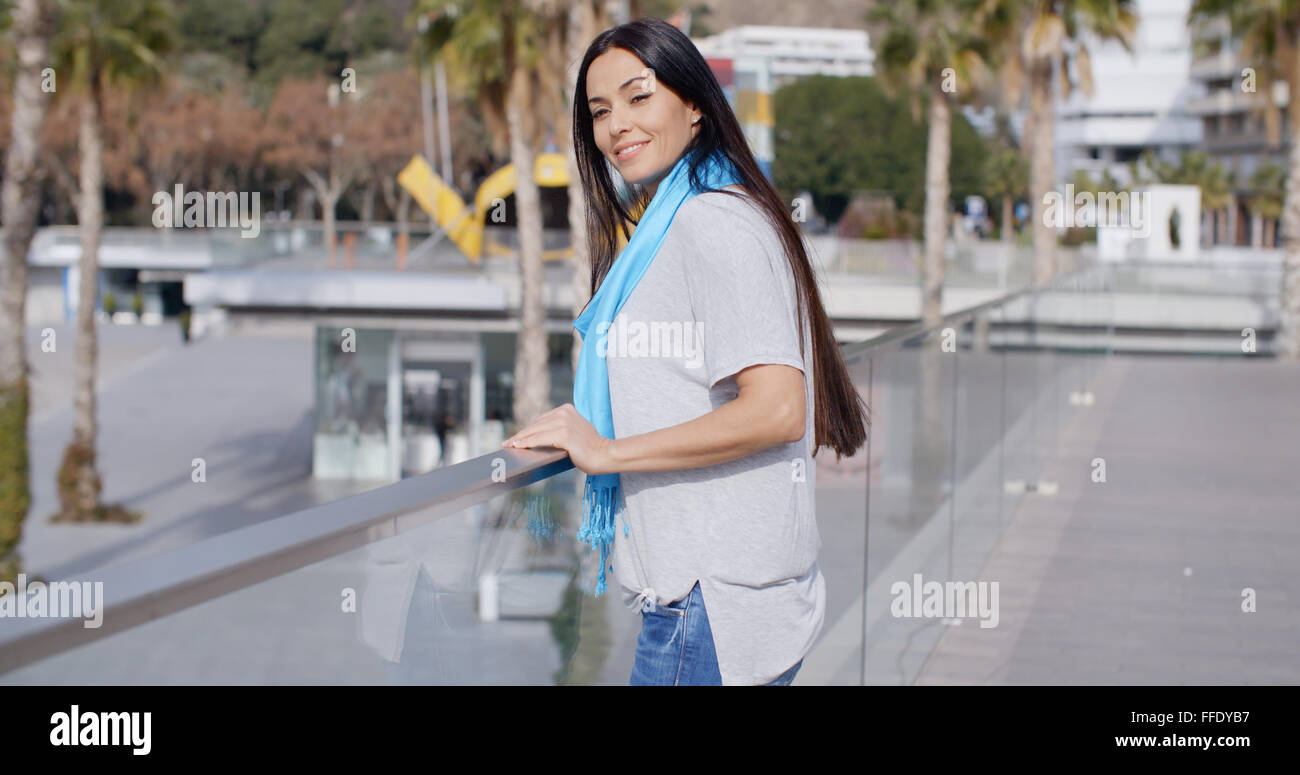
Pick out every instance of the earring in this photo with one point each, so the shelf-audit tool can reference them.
(696, 121)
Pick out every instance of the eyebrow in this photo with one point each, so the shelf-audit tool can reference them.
(636, 77)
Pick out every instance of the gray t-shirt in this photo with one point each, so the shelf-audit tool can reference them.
(718, 297)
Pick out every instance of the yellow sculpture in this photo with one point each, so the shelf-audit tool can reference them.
(465, 226)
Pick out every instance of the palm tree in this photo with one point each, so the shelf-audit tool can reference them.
(931, 49)
(1269, 187)
(1269, 33)
(1041, 39)
(500, 46)
(1006, 176)
(100, 45)
(21, 197)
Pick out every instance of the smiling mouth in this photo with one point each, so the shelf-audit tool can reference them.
(631, 151)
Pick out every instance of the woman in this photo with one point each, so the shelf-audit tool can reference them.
(708, 369)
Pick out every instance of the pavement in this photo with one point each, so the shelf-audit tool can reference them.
(241, 403)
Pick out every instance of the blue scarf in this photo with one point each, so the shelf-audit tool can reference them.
(591, 384)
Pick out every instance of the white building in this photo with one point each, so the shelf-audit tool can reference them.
(1141, 100)
(794, 52)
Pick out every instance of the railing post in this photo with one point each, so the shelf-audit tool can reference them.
(980, 342)
(488, 599)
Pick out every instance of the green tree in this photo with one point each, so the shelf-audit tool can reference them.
(1036, 39)
(304, 38)
(1006, 176)
(100, 45)
(837, 136)
(1267, 199)
(228, 28)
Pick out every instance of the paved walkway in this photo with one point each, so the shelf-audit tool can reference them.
(1140, 579)
(163, 403)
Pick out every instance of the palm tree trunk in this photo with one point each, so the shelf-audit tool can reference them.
(79, 484)
(1042, 170)
(937, 153)
(582, 29)
(1008, 224)
(368, 202)
(532, 385)
(328, 201)
(1287, 341)
(21, 198)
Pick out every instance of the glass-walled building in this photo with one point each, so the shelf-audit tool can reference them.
(393, 403)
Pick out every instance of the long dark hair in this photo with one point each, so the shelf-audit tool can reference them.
(841, 415)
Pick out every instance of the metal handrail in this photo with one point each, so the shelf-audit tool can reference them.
(152, 587)
(856, 351)
(149, 588)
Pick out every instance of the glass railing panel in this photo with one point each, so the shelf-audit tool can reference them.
(841, 493)
(979, 421)
(909, 533)
(492, 594)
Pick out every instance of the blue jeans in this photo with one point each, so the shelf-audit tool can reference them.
(675, 647)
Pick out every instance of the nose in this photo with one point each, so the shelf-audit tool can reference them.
(618, 125)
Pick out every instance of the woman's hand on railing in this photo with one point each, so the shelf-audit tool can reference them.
(563, 427)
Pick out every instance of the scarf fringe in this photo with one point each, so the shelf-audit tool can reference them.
(599, 501)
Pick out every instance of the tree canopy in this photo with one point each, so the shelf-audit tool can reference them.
(836, 136)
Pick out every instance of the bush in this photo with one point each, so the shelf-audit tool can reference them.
(137, 304)
(1074, 237)
(110, 303)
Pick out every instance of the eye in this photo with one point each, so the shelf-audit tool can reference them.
(601, 111)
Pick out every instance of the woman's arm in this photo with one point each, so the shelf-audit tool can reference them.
(769, 409)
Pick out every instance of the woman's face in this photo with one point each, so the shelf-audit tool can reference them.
(630, 108)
